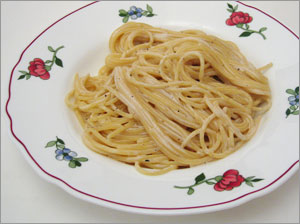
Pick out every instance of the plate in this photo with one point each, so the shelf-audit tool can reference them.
(41, 124)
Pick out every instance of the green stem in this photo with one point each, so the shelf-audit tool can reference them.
(194, 185)
(56, 144)
(54, 55)
(56, 140)
(253, 31)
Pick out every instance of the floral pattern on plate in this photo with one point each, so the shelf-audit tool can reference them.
(134, 13)
(63, 153)
(229, 180)
(293, 101)
(41, 68)
(241, 20)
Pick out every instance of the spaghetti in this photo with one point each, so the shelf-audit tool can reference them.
(166, 100)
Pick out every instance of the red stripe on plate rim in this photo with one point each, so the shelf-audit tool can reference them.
(270, 17)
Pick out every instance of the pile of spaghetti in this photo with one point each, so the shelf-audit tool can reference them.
(166, 100)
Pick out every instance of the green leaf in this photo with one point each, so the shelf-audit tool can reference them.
(28, 76)
(297, 90)
(256, 180)
(262, 29)
(292, 108)
(200, 178)
(290, 91)
(230, 6)
(246, 34)
(218, 178)
(23, 72)
(247, 26)
(72, 164)
(125, 19)
(249, 178)
(287, 112)
(60, 140)
(48, 61)
(21, 77)
(190, 191)
(229, 10)
(60, 146)
(50, 144)
(77, 163)
(58, 62)
(150, 15)
(240, 25)
(235, 8)
(122, 11)
(81, 159)
(51, 49)
(47, 67)
(249, 184)
(149, 8)
(210, 182)
(296, 112)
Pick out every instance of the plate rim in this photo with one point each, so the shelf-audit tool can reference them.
(135, 208)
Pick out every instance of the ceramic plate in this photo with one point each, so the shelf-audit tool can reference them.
(42, 125)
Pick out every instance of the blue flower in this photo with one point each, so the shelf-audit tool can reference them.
(134, 17)
(65, 154)
(139, 14)
(139, 10)
(133, 8)
(130, 12)
(294, 100)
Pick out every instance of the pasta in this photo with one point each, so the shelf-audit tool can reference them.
(167, 100)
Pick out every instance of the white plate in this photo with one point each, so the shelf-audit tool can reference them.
(40, 115)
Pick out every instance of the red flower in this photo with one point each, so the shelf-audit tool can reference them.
(37, 68)
(237, 18)
(230, 179)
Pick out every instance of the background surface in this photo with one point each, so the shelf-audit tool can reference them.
(26, 197)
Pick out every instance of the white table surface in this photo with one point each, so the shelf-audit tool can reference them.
(26, 197)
